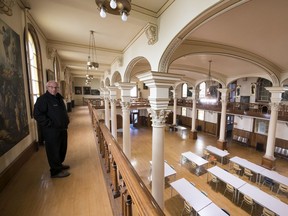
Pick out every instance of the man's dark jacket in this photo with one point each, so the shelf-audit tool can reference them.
(50, 111)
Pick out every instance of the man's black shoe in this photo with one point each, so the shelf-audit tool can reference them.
(64, 167)
(61, 174)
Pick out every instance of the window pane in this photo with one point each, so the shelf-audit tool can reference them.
(201, 115)
(184, 111)
(184, 90)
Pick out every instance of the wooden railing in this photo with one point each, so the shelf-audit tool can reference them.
(125, 180)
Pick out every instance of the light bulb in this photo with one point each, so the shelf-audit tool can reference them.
(113, 4)
(102, 12)
(124, 16)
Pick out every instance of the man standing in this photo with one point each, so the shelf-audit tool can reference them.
(51, 115)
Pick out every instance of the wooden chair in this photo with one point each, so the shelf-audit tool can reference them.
(215, 180)
(195, 168)
(213, 160)
(230, 189)
(187, 209)
(249, 201)
(268, 182)
(248, 173)
(267, 212)
(206, 154)
(237, 168)
(282, 188)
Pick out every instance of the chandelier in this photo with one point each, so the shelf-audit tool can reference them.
(116, 7)
(92, 58)
(209, 99)
(6, 6)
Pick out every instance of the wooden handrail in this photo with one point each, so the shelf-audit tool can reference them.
(141, 196)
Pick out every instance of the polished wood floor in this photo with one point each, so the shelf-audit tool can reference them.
(33, 193)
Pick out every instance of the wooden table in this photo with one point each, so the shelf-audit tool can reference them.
(264, 199)
(212, 210)
(247, 164)
(168, 171)
(196, 199)
(217, 152)
(227, 178)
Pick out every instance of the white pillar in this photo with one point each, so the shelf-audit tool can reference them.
(113, 102)
(158, 84)
(158, 181)
(125, 103)
(106, 104)
(126, 129)
(276, 96)
(194, 110)
(222, 139)
(174, 106)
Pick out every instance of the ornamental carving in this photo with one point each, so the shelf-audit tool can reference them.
(274, 106)
(158, 116)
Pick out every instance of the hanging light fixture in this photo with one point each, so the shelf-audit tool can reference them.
(209, 99)
(92, 57)
(115, 7)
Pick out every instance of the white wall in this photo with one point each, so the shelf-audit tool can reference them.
(243, 123)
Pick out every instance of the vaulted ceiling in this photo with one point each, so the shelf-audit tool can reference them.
(255, 29)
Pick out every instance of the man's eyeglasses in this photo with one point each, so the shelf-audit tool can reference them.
(53, 87)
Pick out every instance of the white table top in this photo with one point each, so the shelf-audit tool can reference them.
(265, 199)
(191, 194)
(168, 170)
(226, 177)
(217, 151)
(247, 164)
(275, 176)
(195, 158)
(212, 210)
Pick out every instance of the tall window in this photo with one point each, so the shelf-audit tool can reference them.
(184, 90)
(34, 66)
(262, 93)
(202, 90)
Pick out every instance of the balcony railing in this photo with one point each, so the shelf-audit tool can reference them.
(125, 180)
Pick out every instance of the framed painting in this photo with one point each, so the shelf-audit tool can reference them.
(13, 111)
(50, 75)
(86, 90)
(95, 92)
(78, 90)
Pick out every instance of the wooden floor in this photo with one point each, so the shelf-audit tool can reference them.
(33, 193)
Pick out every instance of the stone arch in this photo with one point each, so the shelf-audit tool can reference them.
(116, 77)
(136, 66)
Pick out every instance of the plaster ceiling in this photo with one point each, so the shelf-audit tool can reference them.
(258, 27)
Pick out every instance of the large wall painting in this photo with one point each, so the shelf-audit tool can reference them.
(13, 111)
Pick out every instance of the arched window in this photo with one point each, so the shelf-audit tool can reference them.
(34, 68)
(184, 90)
(202, 90)
(263, 94)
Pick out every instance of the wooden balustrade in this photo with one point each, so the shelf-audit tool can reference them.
(135, 190)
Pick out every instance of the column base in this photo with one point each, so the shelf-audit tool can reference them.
(222, 145)
(193, 135)
(268, 163)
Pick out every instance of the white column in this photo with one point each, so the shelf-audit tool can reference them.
(194, 110)
(125, 103)
(106, 104)
(276, 96)
(224, 92)
(126, 129)
(158, 181)
(158, 84)
(174, 106)
(113, 102)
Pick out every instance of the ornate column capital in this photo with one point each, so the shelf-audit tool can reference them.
(125, 106)
(274, 106)
(158, 117)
